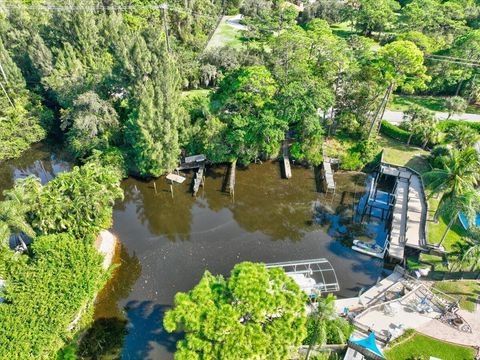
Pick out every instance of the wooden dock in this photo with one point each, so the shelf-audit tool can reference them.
(286, 160)
(408, 228)
(192, 162)
(328, 172)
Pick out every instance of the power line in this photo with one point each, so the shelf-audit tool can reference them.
(6, 83)
(460, 62)
(99, 7)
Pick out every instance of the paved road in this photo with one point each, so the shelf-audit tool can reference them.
(396, 117)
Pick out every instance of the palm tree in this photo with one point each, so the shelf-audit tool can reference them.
(470, 250)
(463, 137)
(13, 211)
(472, 255)
(460, 174)
(325, 310)
(428, 131)
(416, 118)
(467, 203)
(13, 223)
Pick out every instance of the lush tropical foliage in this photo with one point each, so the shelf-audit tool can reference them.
(48, 259)
(255, 313)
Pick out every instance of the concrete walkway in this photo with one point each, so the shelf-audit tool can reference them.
(396, 117)
(444, 332)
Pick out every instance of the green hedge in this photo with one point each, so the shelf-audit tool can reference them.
(447, 125)
(397, 133)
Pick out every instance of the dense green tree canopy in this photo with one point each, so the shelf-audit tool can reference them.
(374, 15)
(91, 124)
(254, 314)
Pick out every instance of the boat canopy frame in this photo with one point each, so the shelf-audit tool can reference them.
(308, 268)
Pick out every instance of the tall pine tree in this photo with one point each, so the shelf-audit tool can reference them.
(152, 129)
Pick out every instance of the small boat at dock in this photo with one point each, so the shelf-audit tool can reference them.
(371, 249)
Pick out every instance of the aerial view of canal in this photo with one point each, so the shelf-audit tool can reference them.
(169, 240)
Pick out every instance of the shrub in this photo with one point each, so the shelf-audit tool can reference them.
(45, 293)
(394, 132)
(447, 125)
(351, 161)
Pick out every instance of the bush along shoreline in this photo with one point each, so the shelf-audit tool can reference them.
(51, 280)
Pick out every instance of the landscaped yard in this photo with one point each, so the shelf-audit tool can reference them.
(467, 291)
(343, 29)
(402, 102)
(418, 346)
(398, 153)
(436, 231)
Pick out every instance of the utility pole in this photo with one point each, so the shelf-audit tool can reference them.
(164, 8)
(3, 88)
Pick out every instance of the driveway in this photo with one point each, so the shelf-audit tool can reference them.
(396, 117)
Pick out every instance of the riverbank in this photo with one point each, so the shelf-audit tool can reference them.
(167, 244)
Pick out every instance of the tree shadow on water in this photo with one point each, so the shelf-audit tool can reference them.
(146, 332)
(103, 340)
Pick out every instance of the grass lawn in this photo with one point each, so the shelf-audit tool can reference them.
(225, 34)
(402, 102)
(398, 153)
(436, 230)
(190, 93)
(436, 261)
(343, 30)
(467, 291)
(422, 347)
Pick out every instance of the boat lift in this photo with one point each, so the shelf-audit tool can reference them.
(315, 275)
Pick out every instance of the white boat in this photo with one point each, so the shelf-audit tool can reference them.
(371, 249)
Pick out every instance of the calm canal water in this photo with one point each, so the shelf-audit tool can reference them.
(167, 243)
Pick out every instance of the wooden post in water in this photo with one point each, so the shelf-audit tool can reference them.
(286, 160)
(171, 188)
(231, 184)
(155, 187)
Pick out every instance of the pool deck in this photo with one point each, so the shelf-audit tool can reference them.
(438, 330)
(404, 315)
(417, 309)
(368, 296)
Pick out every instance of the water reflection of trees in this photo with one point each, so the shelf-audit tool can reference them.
(119, 286)
(281, 209)
(147, 339)
(103, 340)
(106, 336)
(40, 160)
(287, 209)
(157, 210)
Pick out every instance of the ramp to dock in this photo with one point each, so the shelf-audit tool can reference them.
(416, 210)
(399, 220)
